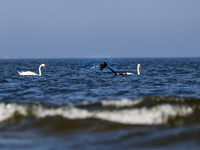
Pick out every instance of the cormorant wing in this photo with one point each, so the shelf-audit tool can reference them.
(112, 70)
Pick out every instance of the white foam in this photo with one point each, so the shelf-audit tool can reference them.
(121, 102)
(67, 112)
(155, 115)
(147, 116)
(8, 110)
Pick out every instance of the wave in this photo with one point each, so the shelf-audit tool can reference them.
(143, 111)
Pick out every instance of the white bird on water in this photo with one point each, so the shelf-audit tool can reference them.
(129, 73)
(29, 73)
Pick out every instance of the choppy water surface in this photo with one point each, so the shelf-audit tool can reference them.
(72, 106)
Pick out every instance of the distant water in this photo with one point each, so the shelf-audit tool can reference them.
(72, 106)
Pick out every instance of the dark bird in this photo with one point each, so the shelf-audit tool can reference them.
(104, 65)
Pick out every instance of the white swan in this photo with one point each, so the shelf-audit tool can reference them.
(138, 71)
(29, 73)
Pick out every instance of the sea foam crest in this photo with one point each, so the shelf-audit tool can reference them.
(156, 115)
(8, 110)
(121, 102)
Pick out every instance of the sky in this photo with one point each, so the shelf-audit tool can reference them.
(99, 29)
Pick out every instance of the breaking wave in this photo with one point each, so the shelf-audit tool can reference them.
(144, 111)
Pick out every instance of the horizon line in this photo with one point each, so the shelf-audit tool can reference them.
(104, 57)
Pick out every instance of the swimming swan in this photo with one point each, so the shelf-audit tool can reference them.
(129, 73)
(29, 73)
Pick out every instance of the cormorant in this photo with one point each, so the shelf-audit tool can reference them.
(104, 65)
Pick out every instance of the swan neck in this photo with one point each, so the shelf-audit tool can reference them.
(40, 70)
(138, 69)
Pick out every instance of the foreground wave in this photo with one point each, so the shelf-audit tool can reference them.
(143, 111)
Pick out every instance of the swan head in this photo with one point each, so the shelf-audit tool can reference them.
(43, 65)
(139, 66)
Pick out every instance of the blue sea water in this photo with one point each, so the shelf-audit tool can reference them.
(71, 106)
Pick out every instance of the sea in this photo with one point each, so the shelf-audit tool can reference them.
(71, 106)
